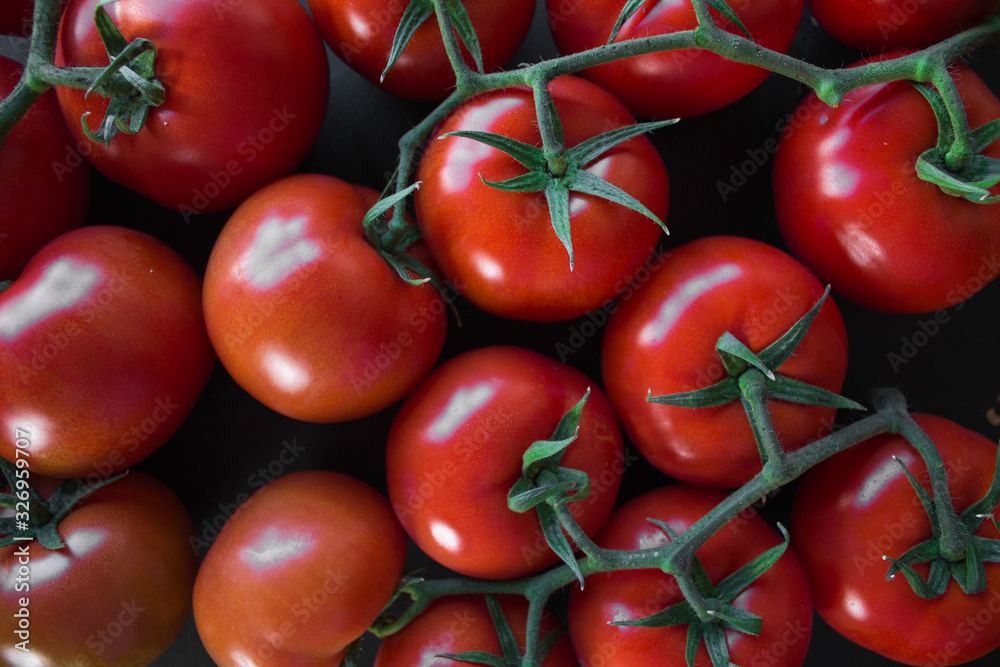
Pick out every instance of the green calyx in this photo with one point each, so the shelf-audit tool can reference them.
(967, 568)
(129, 81)
(544, 485)
(511, 653)
(738, 359)
(715, 613)
(392, 238)
(956, 164)
(417, 12)
(633, 6)
(557, 178)
(37, 518)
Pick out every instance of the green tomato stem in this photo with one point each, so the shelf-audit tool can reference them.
(953, 540)
(753, 395)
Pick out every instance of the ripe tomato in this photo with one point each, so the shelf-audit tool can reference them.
(461, 624)
(499, 248)
(16, 17)
(875, 26)
(678, 83)
(361, 32)
(103, 353)
(246, 93)
(455, 450)
(851, 206)
(306, 315)
(298, 572)
(857, 507)
(663, 340)
(118, 593)
(44, 184)
(780, 596)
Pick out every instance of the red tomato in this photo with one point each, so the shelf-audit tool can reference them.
(499, 248)
(104, 351)
(16, 17)
(455, 450)
(780, 596)
(663, 340)
(118, 593)
(851, 206)
(682, 82)
(460, 624)
(298, 572)
(44, 183)
(875, 26)
(306, 315)
(857, 507)
(361, 32)
(246, 93)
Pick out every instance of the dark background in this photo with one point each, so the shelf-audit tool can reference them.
(231, 442)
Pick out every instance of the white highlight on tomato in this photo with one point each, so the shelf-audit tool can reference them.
(462, 405)
(275, 547)
(446, 536)
(279, 249)
(672, 309)
(65, 283)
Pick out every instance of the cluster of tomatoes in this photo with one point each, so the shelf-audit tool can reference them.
(207, 304)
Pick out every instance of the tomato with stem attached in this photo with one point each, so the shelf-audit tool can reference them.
(307, 315)
(679, 82)
(502, 250)
(246, 87)
(858, 508)
(780, 596)
(662, 341)
(459, 624)
(455, 451)
(851, 206)
(362, 32)
(117, 594)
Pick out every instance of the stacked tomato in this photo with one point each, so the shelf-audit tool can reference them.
(384, 364)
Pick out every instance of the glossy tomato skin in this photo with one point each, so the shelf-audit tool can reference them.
(246, 85)
(498, 248)
(875, 26)
(460, 624)
(663, 339)
(104, 351)
(361, 32)
(857, 507)
(851, 207)
(455, 449)
(679, 83)
(306, 315)
(118, 594)
(780, 596)
(300, 571)
(44, 184)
